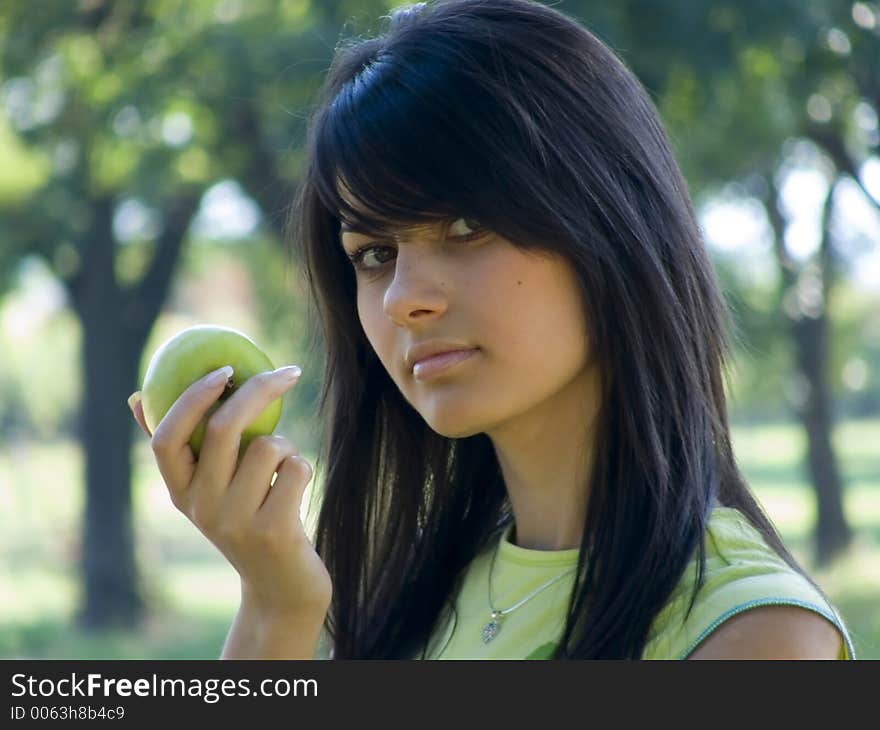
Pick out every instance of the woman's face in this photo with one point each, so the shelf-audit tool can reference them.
(521, 310)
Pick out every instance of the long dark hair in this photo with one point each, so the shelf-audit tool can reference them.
(512, 113)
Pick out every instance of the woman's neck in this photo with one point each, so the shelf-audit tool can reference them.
(546, 458)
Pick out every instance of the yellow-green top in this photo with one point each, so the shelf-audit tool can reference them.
(742, 572)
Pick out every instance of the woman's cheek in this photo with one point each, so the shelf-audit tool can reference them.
(379, 332)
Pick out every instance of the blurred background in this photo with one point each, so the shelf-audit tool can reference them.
(148, 151)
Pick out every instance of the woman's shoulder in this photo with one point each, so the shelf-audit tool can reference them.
(742, 573)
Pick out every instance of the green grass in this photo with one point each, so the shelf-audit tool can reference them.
(193, 592)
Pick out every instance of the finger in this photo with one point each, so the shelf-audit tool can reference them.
(137, 410)
(170, 441)
(285, 497)
(252, 480)
(220, 449)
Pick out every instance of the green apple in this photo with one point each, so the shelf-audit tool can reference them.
(193, 353)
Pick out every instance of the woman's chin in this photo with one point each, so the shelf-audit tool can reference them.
(457, 429)
(463, 434)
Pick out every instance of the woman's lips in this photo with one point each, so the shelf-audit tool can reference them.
(431, 366)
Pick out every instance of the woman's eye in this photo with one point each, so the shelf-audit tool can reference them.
(464, 227)
(361, 257)
(369, 257)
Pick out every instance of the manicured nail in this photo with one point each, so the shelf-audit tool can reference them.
(133, 399)
(291, 372)
(219, 376)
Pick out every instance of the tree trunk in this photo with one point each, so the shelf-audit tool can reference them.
(804, 297)
(110, 596)
(109, 572)
(833, 534)
(115, 324)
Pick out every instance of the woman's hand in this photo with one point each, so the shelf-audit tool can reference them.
(256, 526)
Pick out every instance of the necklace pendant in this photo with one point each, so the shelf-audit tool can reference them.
(491, 629)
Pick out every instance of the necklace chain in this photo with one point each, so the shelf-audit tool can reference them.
(491, 629)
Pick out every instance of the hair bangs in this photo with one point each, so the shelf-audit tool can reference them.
(394, 150)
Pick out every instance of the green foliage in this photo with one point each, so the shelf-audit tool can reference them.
(764, 366)
(41, 372)
(148, 100)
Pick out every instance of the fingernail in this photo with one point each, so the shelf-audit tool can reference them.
(133, 399)
(219, 376)
(291, 372)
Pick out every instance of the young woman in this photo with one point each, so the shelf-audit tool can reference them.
(489, 181)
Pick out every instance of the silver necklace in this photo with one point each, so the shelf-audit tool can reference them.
(491, 629)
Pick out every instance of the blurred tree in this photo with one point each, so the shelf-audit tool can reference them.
(839, 94)
(124, 114)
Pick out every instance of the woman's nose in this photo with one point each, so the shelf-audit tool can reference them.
(418, 285)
